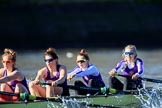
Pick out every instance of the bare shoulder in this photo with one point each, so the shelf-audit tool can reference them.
(62, 67)
(18, 72)
(1, 71)
(42, 70)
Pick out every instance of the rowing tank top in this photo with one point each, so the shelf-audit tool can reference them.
(64, 84)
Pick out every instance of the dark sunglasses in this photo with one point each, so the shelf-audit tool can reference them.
(129, 53)
(80, 61)
(6, 61)
(48, 60)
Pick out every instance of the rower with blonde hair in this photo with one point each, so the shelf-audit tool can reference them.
(131, 67)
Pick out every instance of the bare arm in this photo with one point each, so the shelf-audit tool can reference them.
(112, 72)
(15, 75)
(1, 72)
(40, 75)
(62, 78)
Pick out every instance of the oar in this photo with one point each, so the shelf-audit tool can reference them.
(26, 96)
(32, 98)
(104, 90)
(9, 93)
(143, 78)
(19, 95)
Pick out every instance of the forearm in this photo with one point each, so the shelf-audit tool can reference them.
(140, 68)
(112, 72)
(90, 71)
(60, 80)
(3, 79)
(75, 71)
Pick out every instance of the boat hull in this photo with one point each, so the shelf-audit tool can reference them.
(124, 101)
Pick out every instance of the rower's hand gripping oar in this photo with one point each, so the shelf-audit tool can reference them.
(142, 78)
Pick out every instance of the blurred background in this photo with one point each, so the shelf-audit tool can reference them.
(103, 27)
(37, 24)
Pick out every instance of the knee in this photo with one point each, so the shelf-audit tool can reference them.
(18, 85)
(3, 85)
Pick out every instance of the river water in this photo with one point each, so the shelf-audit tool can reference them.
(30, 61)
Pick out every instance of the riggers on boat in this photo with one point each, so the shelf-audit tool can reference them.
(110, 101)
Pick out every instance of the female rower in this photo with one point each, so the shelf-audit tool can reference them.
(131, 67)
(53, 73)
(11, 78)
(89, 73)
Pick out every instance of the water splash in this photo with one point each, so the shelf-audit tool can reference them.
(150, 98)
(69, 103)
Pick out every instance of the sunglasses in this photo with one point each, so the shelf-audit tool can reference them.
(48, 60)
(6, 61)
(129, 53)
(80, 61)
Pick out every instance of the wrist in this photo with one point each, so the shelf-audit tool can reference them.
(56, 82)
(137, 74)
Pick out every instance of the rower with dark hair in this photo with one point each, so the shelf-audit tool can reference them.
(53, 73)
(89, 73)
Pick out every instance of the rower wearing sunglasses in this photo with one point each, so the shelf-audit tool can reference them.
(11, 78)
(131, 68)
(89, 73)
(53, 73)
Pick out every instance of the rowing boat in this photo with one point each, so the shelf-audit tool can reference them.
(111, 101)
(122, 99)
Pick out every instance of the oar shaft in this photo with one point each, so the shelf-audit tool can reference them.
(102, 89)
(152, 80)
(73, 87)
(142, 78)
(31, 98)
(9, 94)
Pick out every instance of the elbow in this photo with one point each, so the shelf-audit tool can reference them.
(140, 73)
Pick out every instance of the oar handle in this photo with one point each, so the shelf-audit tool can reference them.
(9, 93)
(44, 83)
(26, 96)
(117, 74)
